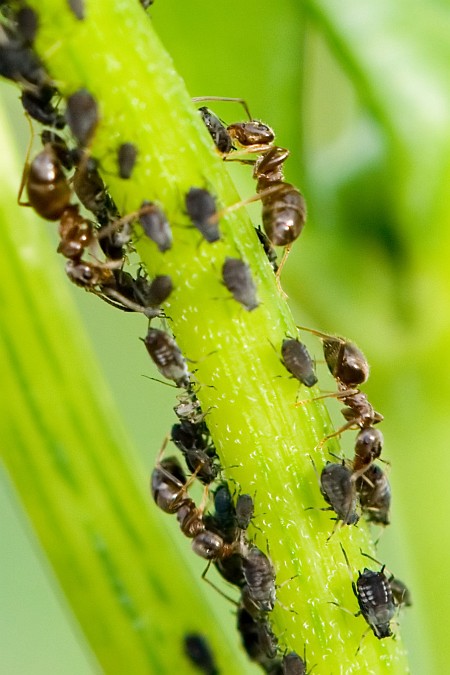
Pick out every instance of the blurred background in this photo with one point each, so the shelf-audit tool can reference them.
(359, 92)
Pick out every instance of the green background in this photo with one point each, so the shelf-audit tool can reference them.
(359, 91)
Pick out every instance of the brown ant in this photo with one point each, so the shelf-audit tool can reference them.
(349, 367)
(49, 195)
(170, 491)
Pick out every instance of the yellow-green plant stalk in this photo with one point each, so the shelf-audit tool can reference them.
(264, 442)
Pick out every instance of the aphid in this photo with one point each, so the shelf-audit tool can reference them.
(27, 24)
(198, 450)
(77, 7)
(140, 290)
(47, 187)
(259, 594)
(18, 62)
(146, 3)
(188, 409)
(82, 116)
(244, 511)
(155, 225)
(339, 491)
(268, 248)
(374, 595)
(258, 640)
(126, 159)
(37, 102)
(374, 495)
(238, 280)
(199, 653)
(231, 569)
(159, 290)
(400, 592)
(167, 357)
(368, 446)
(292, 664)
(201, 209)
(298, 362)
(218, 131)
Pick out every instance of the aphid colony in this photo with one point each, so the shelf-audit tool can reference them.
(96, 251)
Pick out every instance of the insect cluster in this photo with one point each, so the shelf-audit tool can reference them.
(63, 184)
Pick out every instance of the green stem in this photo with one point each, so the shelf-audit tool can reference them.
(264, 442)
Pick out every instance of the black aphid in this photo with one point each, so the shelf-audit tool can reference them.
(126, 159)
(237, 277)
(339, 491)
(199, 653)
(201, 208)
(156, 225)
(82, 116)
(167, 357)
(298, 361)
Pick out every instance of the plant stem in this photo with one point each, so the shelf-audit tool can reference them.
(264, 443)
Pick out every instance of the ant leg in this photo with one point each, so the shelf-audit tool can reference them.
(129, 305)
(227, 99)
(249, 200)
(283, 261)
(216, 588)
(26, 167)
(332, 394)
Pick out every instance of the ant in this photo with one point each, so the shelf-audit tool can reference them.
(368, 447)
(170, 492)
(237, 277)
(254, 136)
(349, 367)
(194, 441)
(49, 195)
